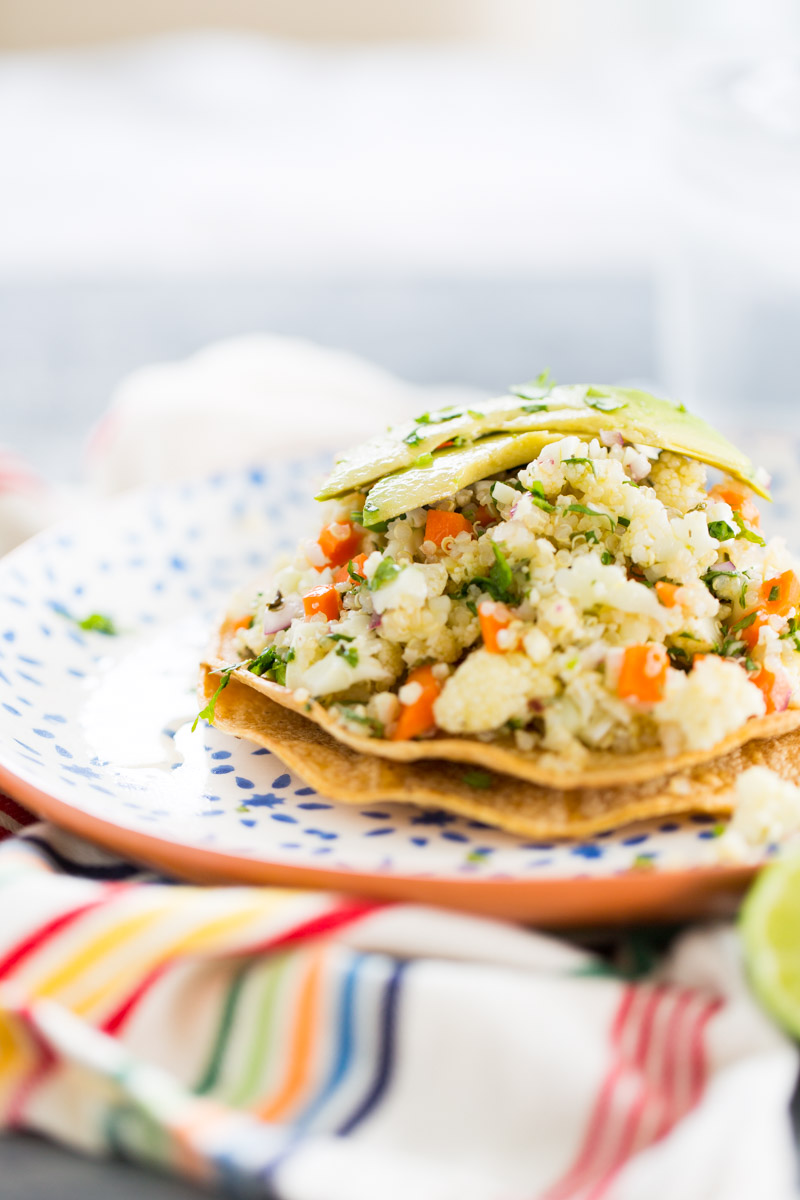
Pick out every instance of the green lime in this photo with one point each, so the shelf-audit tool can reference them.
(770, 928)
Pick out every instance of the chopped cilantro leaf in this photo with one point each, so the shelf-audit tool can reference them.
(339, 637)
(500, 580)
(606, 559)
(598, 400)
(386, 571)
(746, 533)
(375, 727)
(774, 593)
(354, 575)
(424, 460)
(348, 653)
(592, 536)
(207, 713)
(745, 622)
(624, 521)
(574, 462)
(477, 779)
(99, 623)
(534, 408)
(721, 530)
(590, 512)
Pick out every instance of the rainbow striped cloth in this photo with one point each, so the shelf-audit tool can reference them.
(303, 1046)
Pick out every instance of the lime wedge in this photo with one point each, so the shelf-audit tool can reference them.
(770, 929)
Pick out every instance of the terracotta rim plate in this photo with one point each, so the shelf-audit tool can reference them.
(95, 733)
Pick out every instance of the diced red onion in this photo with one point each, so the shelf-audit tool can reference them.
(375, 620)
(282, 617)
(611, 437)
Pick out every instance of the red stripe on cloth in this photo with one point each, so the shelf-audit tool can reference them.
(328, 922)
(13, 817)
(698, 1051)
(597, 1122)
(41, 936)
(47, 1060)
(688, 1052)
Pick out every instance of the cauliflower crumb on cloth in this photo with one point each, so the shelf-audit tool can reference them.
(599, 598)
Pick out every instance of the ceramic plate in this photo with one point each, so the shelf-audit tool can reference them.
(95, 732)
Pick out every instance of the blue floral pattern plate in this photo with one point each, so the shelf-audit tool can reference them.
(95, 730)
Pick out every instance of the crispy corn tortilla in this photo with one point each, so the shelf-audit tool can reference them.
(510, 803)
(600, 769)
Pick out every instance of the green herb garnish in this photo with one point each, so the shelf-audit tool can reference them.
(574, 462)
(376, 727)
(602, 402)
(606, 558)
(624, 521)
(590, 512)
(747, 534)
(385, 572)
(207, 713)
(98, 623)
(774, 593)
(354, 575)
(500, 580)
(745, 622)
(721, 530)
(424, 460)
(477, 779)
(349, 654)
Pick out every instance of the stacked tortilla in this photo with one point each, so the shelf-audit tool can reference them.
(425, 461)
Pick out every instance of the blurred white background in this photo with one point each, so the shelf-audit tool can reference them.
(627, 173)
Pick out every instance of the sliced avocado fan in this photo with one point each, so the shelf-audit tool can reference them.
(425, 460)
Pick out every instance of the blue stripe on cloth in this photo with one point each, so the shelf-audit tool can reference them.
(386, 1051)
(346, 1040)
(387, 1018)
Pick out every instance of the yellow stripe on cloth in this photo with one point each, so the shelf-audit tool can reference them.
(211, 936)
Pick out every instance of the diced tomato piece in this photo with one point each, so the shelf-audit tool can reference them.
(325, 600)
(343, 574)
(484, 517)
(776, 689)
(739, 499)
(667, 593)
(417, 717)
(339, 542)
(781, 594)
(441, 525)
(493, 617)
(643, 673)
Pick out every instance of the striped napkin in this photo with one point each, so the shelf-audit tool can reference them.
(304, 1046)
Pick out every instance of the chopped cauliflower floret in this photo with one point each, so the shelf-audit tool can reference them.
(766, 812)
(679, 482)
(489, 689)
(701, 708)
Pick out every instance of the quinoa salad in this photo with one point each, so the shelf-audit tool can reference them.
(605, 595)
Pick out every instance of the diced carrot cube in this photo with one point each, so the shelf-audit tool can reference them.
(343, 574)
(739, 499)
(417, 717)
(643, 674)
(441, 525)
(667, 593)
(325, 600)
(493, 617)
(780, 594)
(339, 542)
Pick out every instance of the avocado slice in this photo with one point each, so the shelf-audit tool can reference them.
(580, 409)
(402, 445)
(450, 470)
